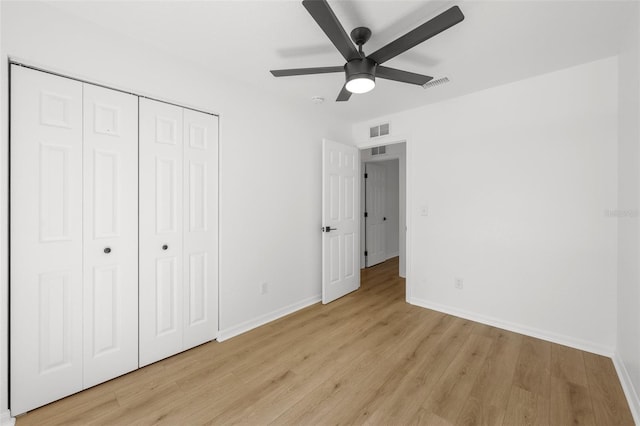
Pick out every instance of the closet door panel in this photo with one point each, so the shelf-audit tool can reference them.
(161, 217)
(200, 228)
(110, 234)
(45, 238)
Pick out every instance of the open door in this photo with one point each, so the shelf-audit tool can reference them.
(340, 220)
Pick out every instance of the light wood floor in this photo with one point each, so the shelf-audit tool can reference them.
(366, 358)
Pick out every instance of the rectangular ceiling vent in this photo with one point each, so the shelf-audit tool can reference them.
(377, 150)
(379, 130)
(437, 82)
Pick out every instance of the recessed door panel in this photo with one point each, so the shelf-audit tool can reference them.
(349, 199)
(334, 259)
(200, 282)
(166, 296)
(333, 197)
(161, 231)
(197, 196)
(349, 161)
(198, 135)
(54, 328)
(111, 233)
(45, 238)
(166, 200)
(106, 185)
(106, 315)
(198, 288)
(56, 109)
(106, 120)
(167, 129)
(349, 259)
(54, 192)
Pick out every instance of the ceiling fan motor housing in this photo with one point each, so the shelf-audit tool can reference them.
(360, 68)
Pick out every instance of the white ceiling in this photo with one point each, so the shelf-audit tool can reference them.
(497, 43)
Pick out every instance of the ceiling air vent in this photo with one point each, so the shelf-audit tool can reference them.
(434, 83)
(379, 130)
(377, 150)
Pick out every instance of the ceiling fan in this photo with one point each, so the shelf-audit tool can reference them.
(360, 70)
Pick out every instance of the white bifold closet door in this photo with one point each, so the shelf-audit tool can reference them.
(73, 303)
(178, 229)
(110, 151)
(46, 238)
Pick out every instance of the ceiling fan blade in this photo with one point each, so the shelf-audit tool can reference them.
(344, 94)
(402, 76)
(306, 71)
(435, 26)
(326, 19)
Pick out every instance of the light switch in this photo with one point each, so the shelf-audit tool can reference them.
(424, 211)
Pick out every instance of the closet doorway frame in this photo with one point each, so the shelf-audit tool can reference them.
(5, 238)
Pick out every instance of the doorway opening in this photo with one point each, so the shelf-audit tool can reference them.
(383, 200)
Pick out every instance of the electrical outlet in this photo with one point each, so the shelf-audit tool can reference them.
(264, 288)
(458, 283)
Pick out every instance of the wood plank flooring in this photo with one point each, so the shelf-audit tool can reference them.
(368, 358)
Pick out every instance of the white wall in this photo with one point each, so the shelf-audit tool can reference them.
(517, 179)
(628, 337)
(269, 205)
(394, 151)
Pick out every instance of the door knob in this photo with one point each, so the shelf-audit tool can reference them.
(384, 218)
(107, 250)
(164, 247)
(328, 229)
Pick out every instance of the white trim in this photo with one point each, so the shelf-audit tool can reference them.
(73, 76)
(408, 214)
(6, 419)
(382, 140)
(408, 201)
(392, 255)
(549, 336)
(266, 318)
(627, 386)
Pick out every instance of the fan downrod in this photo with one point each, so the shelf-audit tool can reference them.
(360, 35)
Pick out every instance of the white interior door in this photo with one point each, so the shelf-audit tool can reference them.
(46, 238)
(161, 223)
(200, 282)
(110, 234)
(375, 222)
(340, 215)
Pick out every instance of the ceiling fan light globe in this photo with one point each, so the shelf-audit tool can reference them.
(360, 85)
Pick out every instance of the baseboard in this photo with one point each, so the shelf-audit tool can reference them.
(264, 319)
(6, 419)
(561, 339)
(392, 255)
(627, 387)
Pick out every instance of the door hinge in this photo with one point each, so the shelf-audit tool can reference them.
(366, 214)
(366, 253)
(366, 175)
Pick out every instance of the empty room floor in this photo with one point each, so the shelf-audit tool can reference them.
(368, 357)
